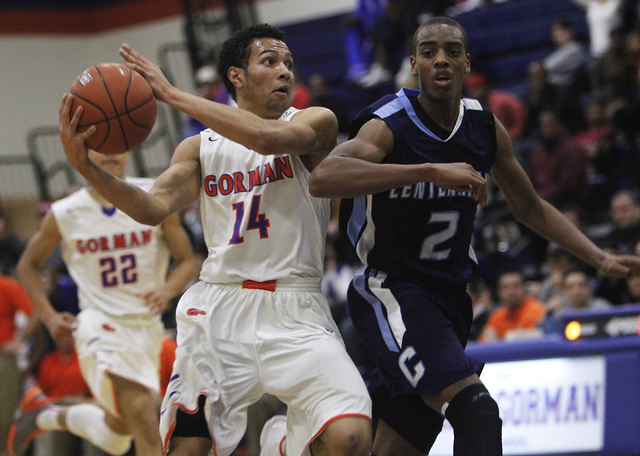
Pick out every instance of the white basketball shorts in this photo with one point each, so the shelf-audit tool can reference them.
(125, 346)
(235, 343)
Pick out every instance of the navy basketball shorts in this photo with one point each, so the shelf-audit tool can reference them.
(417, 333)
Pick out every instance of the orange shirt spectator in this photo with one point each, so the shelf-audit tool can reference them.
(59, 373)
(167, 357)
(13, 299)
(518, 315)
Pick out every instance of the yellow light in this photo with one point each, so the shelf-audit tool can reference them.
(572, 330)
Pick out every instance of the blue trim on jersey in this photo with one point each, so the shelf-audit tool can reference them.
(358, 219)
(403, 102)
(360, 285)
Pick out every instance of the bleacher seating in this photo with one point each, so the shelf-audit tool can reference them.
(503, 39)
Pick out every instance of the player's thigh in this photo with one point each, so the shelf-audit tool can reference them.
(189, 446)
(389, 443)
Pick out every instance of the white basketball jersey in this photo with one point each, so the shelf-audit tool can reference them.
(260, 222)
(111, 257)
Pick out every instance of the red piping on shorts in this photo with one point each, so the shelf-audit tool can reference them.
(269, 285)
(324, 426)
(167, 438)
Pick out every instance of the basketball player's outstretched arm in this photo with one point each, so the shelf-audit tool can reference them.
(313, 131)
(172, 191)
(354, 168)
(536, 213)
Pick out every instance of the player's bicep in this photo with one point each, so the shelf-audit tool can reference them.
(42, 243)
(179, 185)
(373, 142)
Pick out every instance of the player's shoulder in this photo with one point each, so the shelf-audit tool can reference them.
(77, 198)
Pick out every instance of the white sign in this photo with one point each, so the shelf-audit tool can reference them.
(547, 406)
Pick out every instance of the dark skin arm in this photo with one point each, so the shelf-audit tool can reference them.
(354, 168)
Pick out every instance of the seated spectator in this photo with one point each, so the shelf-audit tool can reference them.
(632, 290)
(625, 227)
(358, 43)
(482, 302)
(321, 96)
(300, 96)
(613, 75)
(389, 45)
(579, 289)
(540, 94)
(557, 166)
(600, 145)
(518, 314)
(209, 86)
(59, 377)
(576, 293)
(508, 108)
(11, 247)
(15, 305)
(567, 72)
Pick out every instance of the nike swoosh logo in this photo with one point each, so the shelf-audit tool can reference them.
(213, 139)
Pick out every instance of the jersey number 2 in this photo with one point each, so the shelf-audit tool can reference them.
(430, 244)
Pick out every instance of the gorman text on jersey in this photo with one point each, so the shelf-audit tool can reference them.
(114, 242)
(243, 181)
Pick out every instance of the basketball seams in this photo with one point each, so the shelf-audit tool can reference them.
(113, 103)
(122, 93)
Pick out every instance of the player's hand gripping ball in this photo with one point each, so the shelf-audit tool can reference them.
(119, 102)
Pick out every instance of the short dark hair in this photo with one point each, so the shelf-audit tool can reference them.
(236, 50)
(444, 20)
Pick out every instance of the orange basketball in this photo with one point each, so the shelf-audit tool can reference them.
(119, 102)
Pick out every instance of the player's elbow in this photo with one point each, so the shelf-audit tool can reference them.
(320, 184)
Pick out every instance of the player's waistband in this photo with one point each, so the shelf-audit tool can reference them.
(289, 284)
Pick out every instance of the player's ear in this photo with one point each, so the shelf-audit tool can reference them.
(236, 76)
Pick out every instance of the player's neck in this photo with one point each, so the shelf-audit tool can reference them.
(100, 199)
(443, 113)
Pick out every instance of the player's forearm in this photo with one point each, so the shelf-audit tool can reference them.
(130, 199)
(30, 279)
(345, 177)
(182, 275)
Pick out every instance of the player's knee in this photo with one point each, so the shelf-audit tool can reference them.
(476, 422)
(349, 436)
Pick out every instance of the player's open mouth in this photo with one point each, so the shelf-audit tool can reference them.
(283, 90)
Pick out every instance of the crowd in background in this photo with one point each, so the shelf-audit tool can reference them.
(575, 132)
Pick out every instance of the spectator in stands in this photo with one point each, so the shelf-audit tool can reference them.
(11, 247)
(557, 167)
(625, 216)
(579, 289)
(58, 375)
(508, 108)
(321, 96)
(482, 302)
(614, 77)
(389, 38)
(540, 94)
(301, 96)
(13, 302)
(567, 71)
(632, 291)
(600, 144)
(602, 17)
(576, 293)
(518, 314)
(209, 86)
(358, 43)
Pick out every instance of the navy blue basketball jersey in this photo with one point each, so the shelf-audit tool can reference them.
(421, 232)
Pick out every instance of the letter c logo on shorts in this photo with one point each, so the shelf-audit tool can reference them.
(194, 311)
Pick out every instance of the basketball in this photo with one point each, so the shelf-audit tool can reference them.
(119, 102)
